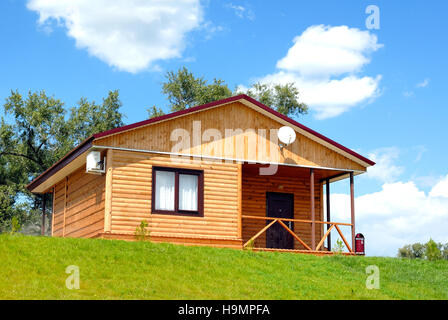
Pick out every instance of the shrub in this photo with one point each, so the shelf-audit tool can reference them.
(339, 246)
(141, 232)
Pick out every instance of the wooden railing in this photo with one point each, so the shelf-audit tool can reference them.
(282, 221)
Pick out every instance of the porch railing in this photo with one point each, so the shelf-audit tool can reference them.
(282, 221)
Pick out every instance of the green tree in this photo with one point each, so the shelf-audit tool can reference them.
(406, 252)
(154, 112)
(418, 250)
(432, 251)
(89, 118)
(184, 90)
(282, 98)
(36, 136)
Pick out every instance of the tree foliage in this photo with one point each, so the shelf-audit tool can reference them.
(184, 90)
(282, 98)
(154, 112)
(430, 251)
(34, 134)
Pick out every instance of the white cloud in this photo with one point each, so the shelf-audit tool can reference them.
(423, 84)
(129, 35)
(241, 11)
(440, 189)
(398, 214)
(329, 97)
(385, 170)
(324, 50)
(324, 62)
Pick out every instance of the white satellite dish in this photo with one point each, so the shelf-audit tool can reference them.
(286, 135)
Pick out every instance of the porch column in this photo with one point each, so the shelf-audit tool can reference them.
(313, 224)
(327, 183)
(352, 206)
(42, 231)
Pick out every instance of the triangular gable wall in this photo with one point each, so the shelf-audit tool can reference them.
(219, 137)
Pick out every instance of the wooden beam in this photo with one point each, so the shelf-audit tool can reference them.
(259, 233)
(108, 191)
(294, 235)
(295, 220)
(327, 234)
(352, 207)
(335, 176)
(52, 210)
(44, 197)
(343, 239)
(328, 212)
(313, 214)
(65, 205)
(240, 197)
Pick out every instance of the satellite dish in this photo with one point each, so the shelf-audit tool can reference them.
(286, 135)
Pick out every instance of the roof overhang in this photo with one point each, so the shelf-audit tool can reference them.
(69, 163)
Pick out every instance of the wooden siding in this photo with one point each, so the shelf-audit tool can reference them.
(131, 198)
(79, 205)
(58, 209)
(254, 204)
(244, 145)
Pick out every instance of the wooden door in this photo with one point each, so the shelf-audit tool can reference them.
(279, 205)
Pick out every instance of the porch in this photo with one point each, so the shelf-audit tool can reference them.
(285, 211)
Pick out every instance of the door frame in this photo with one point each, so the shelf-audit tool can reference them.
(291, 200)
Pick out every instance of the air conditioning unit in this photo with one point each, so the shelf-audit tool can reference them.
(94, 164)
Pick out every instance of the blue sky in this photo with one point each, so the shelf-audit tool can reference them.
(71, 52)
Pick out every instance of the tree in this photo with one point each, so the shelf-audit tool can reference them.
(154, 112)
(282, 98)
(418, 250)
(432, 251)
(37, 136)
(184, 91)
(89, 118)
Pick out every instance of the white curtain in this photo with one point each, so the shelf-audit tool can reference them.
(165, 190)
(188, 192)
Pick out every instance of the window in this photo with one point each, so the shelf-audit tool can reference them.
(177, 191)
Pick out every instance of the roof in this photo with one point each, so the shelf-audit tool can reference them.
(86, 144)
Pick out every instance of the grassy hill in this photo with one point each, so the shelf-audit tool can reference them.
(34, 268)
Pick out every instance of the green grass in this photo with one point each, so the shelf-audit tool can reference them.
(34, 268)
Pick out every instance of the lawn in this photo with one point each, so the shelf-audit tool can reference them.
(34, 268)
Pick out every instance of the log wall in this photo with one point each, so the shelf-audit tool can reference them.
(131, 183)
(79, 205)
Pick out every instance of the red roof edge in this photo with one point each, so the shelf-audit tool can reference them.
(75, 151)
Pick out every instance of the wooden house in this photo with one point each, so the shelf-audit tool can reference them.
(210, 175)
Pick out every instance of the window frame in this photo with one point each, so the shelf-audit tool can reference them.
(176, 211)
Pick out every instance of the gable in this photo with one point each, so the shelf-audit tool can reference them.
(232, 131)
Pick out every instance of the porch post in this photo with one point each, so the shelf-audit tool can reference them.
(42, 231)
(352, 207)
(313, 225)
(327, 182)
